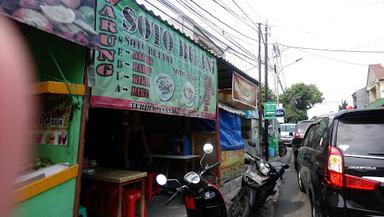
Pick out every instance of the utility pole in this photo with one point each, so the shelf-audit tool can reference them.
(266, 92)
(259, 94)
(276, 87)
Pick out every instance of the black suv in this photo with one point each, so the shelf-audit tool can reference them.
(341, 164)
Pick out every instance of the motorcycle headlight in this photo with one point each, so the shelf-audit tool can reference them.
(209, 194)
(264, 168)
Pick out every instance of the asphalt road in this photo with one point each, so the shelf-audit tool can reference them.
(291, 202)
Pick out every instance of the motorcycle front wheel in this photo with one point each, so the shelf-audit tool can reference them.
(240, 206)
(282, 151)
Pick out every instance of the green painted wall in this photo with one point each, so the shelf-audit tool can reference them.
(52, 203)
(69, 56)
(58, 201)
(71, 59)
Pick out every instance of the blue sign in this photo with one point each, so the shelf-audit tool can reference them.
(280, 113)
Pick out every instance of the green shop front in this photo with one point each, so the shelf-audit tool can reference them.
(59, 46)
(151, 84)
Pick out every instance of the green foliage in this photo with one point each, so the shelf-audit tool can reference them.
(343, 105)
(298, 99)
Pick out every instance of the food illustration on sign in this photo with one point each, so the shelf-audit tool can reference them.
(188, 96)
(165, 86)
(245, 94)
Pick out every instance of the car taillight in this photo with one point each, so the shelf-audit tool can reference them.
(333, 171)
(296, 135)
(334, 175)
(360, 183)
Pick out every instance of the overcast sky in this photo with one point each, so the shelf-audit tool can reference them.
(328, 24)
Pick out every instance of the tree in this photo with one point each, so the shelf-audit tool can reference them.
(343, 105)
(298, 99)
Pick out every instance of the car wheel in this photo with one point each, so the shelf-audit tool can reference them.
(300, 183)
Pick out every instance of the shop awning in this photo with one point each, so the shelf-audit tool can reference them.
(247, 113)
(231, 109)
(72, 20)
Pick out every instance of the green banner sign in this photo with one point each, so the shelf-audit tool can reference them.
(270, 110)
(143, 64)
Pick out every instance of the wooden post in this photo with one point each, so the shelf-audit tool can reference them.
(218, 148)
(80, 154)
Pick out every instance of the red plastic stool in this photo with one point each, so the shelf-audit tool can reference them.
(90, 196)
(150, 188)
(110, 200)
(130, 198)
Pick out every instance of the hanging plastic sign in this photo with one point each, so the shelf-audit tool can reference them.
(72, 20)
(243, 90)
(52, 121)
(143, 64)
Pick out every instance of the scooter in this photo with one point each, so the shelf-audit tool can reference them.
(258, 183)
(201, 198)
(282, 149)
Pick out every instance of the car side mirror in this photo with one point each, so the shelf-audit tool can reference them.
(291, 133)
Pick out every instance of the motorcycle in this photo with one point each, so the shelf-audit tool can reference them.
(258, 183)
(201, 198)
(282, 149)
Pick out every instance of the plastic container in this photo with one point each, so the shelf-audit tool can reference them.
(271, 152)
(186, 145)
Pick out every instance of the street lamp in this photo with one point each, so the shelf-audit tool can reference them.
(277, 74)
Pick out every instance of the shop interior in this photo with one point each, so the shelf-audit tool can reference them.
(171, 145)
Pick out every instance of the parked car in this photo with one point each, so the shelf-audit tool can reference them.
(286, 133)
(298, 135)
(341, 164)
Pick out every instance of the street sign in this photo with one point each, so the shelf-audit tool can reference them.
(270, 110)
(280, 112)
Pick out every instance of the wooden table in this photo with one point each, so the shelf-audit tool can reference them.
(186, 158)
(120, 179)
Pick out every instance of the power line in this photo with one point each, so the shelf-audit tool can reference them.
(206, 11)
(234, 14)
(333, 59)
(251, 7)
(333, 50)
(204, 19)
(243, 12)
(235, 54)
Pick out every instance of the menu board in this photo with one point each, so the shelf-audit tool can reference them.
(72, 20)
(144, 64)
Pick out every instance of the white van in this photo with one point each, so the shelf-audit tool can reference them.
(286, 133)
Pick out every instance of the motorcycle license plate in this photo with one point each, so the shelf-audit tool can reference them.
(258, 178)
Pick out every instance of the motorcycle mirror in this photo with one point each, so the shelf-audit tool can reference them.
(208, 148)
(161, 179)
